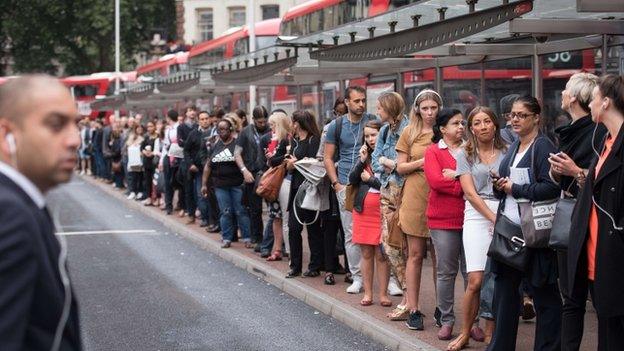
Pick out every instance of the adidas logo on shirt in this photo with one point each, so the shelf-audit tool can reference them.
(223, 156)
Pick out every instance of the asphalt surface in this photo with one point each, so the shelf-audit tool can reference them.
(151, 289)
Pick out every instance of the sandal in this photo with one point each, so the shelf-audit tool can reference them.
(275, 256)
(385, 303)
(311, 273)
(458, 343)
(366, 302)
(329, 279)
(399, 313)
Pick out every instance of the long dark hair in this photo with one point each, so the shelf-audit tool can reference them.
(375, 124)
(533, 105)
(307, 122)
(444, 116)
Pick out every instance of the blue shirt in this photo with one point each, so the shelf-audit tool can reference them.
(387, 149)
(349, 144)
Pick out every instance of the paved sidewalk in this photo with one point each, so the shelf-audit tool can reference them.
(333, 300)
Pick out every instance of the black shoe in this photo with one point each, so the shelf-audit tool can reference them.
(265, 254)
(168, 212)
(257, 248)
(203, 224)
(213, 228)
(348, 278)
(293, 273)
(311, 273)
(340, 270)
(437, 317)
(415, 321)
(329, 279)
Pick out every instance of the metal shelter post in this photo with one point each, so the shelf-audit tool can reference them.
(536, 67)
(319, 104)
(482, 99)
(400, 84)
(341, 87)
(605, 53)
(299, 98)
(439, 78)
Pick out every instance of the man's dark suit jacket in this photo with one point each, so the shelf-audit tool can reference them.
(31, 291)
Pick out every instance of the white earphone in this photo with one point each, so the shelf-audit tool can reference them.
(11, 141)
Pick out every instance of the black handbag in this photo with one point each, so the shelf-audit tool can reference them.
(508, 244)
(560, 233)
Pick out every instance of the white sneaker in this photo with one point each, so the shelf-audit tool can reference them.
(82, 172)
(139, 195)
(355, 287)
(393, 287)
(131, 196)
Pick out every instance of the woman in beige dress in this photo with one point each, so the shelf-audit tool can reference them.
(412, 219)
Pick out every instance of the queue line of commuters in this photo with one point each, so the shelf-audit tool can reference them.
(434, 182)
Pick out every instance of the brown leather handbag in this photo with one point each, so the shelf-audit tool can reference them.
(116, 166)
(271, 182)
(350, 193)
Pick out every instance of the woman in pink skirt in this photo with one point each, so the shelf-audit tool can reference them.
(367, 219)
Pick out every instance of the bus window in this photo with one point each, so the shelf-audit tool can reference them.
(81, 91)
(241, 46)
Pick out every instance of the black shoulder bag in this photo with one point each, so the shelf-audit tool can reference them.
(507, 245)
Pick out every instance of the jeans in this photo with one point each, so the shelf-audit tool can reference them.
(202, 202)
(449, 261)
(353, 251)
(231, 205)
(253, 202)
(100, 165)
(135, 182)
(267, 239)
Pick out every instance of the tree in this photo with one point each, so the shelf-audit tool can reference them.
(79, 34)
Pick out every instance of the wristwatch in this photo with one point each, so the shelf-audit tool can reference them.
(333, 184)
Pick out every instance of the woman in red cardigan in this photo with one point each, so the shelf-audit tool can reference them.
(445, 210)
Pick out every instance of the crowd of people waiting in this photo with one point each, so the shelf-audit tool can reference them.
(467, 189)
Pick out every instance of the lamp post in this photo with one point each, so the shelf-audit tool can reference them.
(252, 47)
(117, 54)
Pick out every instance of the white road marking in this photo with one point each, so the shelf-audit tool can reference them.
(97, 232)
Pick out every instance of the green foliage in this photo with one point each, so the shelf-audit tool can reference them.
(79, 34)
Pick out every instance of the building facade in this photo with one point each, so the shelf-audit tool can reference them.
(201, 20)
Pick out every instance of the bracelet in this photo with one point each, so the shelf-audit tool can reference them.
(333, 184)
(243, 169)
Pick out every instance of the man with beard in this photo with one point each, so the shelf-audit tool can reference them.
(342, 144)
(249, 159)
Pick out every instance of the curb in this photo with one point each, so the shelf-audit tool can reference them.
(322, 302)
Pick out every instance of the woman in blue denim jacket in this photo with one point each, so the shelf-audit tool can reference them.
(390, 107)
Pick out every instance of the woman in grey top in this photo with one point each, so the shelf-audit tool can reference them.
(476, 166)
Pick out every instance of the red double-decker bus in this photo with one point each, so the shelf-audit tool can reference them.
(85, 89)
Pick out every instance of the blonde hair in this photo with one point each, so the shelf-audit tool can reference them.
(580, 86)
(394, 105)
(234, 120)
(416, 121)
(282, 124)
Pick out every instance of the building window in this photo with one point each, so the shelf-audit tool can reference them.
(237, 16)
(204, 24)
(269, 11)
